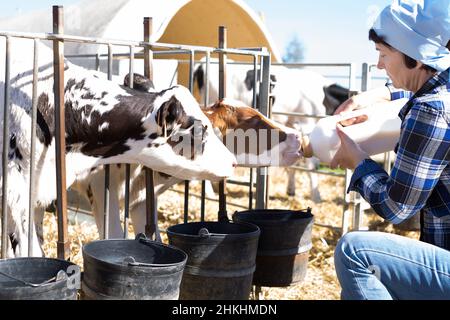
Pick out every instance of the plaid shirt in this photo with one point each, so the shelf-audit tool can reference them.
(420, 178)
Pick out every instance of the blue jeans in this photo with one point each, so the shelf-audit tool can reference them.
(384, 266)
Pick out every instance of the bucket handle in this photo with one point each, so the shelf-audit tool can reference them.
(130, 261)
(61, 275)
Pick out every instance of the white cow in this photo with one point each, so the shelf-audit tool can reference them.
(105, 124)
(293, 90)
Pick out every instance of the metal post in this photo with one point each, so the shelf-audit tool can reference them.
(222, 216)
(206, 100)
(106, 197)
(127, 166)
(148, 54)
(97, 62)
(63, 246)
(126, 221)
(151, 226)
(33, 148)
(262, 173)
(191, 89)
(5, 238)
(110, 62)
(365, 77)
(106, 204)
(255, 106)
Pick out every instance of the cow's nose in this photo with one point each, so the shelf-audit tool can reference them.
(235, 164)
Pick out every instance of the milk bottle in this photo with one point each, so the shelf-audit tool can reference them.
(379, 133)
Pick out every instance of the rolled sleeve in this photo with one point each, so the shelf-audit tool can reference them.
(364, 168)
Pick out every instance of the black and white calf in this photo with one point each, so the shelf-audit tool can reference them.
(293, 91)
(105, 124)
(234, 122)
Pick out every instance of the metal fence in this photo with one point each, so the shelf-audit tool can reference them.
(261, 58)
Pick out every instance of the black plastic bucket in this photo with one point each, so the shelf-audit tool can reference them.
(284, 245)
(221, 259)
(38, 279)
(138, 269)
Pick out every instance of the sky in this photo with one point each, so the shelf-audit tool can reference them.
(329, 30)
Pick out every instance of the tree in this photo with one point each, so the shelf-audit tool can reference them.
(294, 51)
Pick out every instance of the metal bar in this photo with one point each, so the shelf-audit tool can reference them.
(262, 173)
(208, 64)
(222, 215)
(5, 238)
(250, 190)
(186, 201)
(206, 102)
(106, 196)
(202, 201)
(210, 199)
(110, 62)
(131, 70)
(151, 226)
(191, 70)
(126, 43)
(365, 77)
(148, 54)
(106, 204)
(254, 105)
(97, 62)
(127, 201)
(33, 148)
(63, 246)
(297, 114)
(311, 64)
(127, 166)
(191, 89)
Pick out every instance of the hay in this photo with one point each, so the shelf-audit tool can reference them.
(320, 282)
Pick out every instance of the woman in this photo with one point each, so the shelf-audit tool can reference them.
(412, 38)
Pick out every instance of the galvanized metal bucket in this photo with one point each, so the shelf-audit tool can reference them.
(221, 259)
(284, 245)
(138, 269)
(38, 279)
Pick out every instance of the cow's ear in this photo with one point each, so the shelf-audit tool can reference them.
(170, 112)
(140, 82)
(249, 79)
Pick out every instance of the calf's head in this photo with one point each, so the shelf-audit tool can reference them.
(165, 130)
(252, 137)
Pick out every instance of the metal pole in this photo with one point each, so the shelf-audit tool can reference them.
(127, 166)
(106, 204)
(33, 148)
(107, 167)
(222, 92)
(148, 54)
(97, 62)
(206, 101)
(262, 176)
(63, 246)
(151, 227)
(365, 77)
(5, 149)
(127, 200)
(191, 89)
(254, 105)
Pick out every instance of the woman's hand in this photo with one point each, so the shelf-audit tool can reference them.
(349, 154)
(360, 101)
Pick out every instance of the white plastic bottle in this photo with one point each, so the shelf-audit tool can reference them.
(378, 134)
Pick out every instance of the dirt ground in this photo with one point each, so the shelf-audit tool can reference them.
(320, 283)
